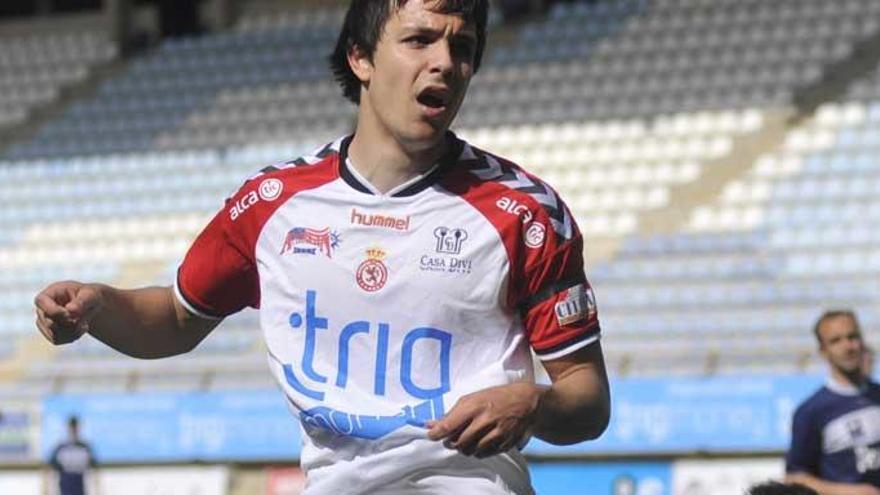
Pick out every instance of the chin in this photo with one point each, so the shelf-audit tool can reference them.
(424, 136)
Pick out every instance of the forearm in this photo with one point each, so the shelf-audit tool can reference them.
(821, 486)
(142, 323)
(575, 408)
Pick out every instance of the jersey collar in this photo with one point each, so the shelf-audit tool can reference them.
(409, 188)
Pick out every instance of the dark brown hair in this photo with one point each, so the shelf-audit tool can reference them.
(363, 26)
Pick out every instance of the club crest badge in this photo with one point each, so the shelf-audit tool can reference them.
(372, 273)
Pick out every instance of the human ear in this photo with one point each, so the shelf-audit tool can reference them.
(360, 63)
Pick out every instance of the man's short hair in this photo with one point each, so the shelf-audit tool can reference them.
(776, 488)
(73, 422)
(829, 315)
(366, 19)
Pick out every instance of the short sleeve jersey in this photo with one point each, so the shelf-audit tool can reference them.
(836, 435)
(379, 311)
(71, 460)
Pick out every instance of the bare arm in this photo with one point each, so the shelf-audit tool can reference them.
(829, 487)
(578, 406)
(145, 323)
(575, 408)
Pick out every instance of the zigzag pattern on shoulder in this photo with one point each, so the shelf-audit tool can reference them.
(315, 156)
(487, 167)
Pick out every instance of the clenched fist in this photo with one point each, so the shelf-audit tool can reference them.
(64, 310)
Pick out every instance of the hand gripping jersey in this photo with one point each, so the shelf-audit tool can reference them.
(380, 311)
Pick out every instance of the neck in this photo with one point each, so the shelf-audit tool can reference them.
(854, 379)
(385, 161)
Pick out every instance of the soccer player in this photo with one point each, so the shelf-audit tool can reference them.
(403, 278)
(71, 461)
(835, 441)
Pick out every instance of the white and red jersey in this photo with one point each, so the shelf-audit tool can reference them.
(380, 311)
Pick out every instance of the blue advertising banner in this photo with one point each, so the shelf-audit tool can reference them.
(721, 414)
(612, 478)
(16, 434)
(243, 425)
(751, 413)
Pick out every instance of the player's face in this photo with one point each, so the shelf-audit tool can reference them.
(842, 344)
(418, 75)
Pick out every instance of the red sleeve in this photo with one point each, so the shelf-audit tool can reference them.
(218, 276)
(547, 284)
(557, 302)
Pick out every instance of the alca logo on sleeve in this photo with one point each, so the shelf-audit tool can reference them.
(269, 190)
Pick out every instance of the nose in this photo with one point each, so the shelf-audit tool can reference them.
(853, 345)
(442, 58)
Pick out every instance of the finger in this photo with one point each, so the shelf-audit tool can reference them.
(512, 441)
(49, 322)
(83, 309)
(45, 302)
(45, 330)
(469, 438)
(84, 302)
(452, 431)
(56, 333)
(453, 423)
(67, 335)
(491, 444)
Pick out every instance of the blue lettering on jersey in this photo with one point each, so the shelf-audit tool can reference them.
(372, 427)
(366, 425)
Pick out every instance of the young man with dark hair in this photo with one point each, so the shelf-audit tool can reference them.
(403, 277)
(71, 461)
(835, 444)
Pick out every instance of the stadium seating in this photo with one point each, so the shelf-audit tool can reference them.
(617, 105)
(794, 236)
(608, 171)
(35, 68)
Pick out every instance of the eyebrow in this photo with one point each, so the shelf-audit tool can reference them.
(466, 33)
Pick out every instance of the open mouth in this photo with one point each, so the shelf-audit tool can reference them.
(434, 98)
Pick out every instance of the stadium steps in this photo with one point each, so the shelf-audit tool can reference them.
(140, 273)
(683, 199)
(41, 115)
(131, 373)
(29, 350)
(838, 77)
(599, 250)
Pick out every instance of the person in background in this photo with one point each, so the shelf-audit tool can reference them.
(835, 441)
(71, 461)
